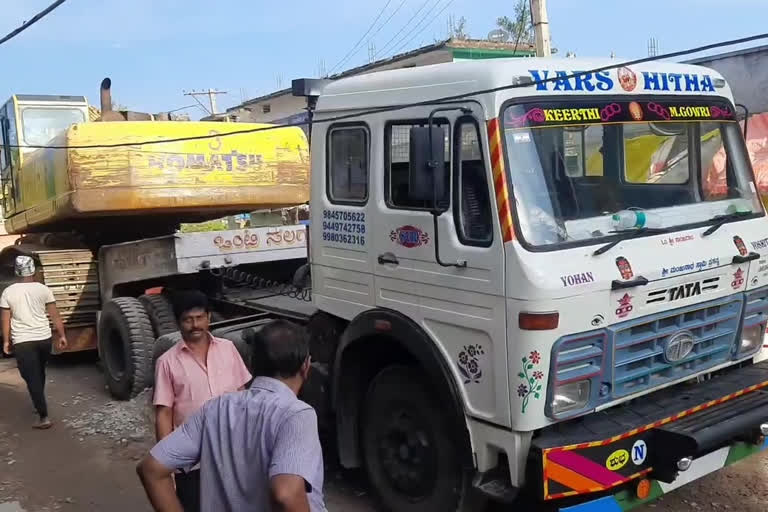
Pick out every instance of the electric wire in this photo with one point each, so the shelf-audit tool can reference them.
(432, 101)
(37, 17)
(436, 17)
(384, 48)
(399, 44)
(355, 47)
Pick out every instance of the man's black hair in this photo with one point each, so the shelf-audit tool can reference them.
(279, 349)
(187, 300)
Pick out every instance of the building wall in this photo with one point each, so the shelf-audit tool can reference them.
(747, 74)
(285, 105)
(279, 107)
(288, 105)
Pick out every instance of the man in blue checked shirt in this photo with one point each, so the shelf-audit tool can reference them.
(258, 449)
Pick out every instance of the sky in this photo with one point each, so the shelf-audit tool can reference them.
(154, 50)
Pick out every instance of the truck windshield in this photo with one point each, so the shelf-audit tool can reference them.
(573, 165)
(40, 125)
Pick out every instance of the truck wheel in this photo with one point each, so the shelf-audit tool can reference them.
(302, 278)
(162, 345)
(244, 350)
(160, 313)
(125, 347)
(411, 456)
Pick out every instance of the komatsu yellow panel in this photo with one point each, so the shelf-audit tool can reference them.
(180, 181)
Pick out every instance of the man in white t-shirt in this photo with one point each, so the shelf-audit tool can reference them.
(23, 308)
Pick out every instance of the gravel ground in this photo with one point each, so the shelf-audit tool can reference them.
(86, 462)
(120, 421)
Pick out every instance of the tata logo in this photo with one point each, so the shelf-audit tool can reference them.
(684, 291)
(679, 346)
(566, 81)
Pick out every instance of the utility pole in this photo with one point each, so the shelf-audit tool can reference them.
(211, 93)
(541, 28)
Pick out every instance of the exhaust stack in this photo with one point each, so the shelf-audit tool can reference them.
(107, 114)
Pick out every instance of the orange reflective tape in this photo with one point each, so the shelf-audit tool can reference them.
(569, 478)
(500, 181)
(661, 422)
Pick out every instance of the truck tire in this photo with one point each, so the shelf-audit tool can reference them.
(244, 350)
(411, 455)
(160, 313)
(125, 347)
(302, 278)
(162, 345)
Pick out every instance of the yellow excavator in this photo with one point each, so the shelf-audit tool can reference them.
(71, 185)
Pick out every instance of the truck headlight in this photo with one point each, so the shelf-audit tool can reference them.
(571, 396)
(751, 338)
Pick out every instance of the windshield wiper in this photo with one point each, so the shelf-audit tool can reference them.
(626, 234)
(719, 220)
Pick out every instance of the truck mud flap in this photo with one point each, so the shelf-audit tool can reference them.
(648, 436)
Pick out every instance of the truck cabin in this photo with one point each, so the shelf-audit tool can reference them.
(480, 199)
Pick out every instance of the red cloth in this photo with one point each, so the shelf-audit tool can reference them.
(757, 145)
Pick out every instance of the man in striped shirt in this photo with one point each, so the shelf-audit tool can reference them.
(258, 449)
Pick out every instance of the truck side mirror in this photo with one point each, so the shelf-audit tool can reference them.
(426, 181)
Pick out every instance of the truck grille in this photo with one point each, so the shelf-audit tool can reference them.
(639, 345)
(579, 357)
(757, 307)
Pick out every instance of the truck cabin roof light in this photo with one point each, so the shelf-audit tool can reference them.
(308, 87)
(522, 81)
(719, 83)
(539, 321)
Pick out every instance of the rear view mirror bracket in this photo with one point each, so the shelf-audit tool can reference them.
(438, 180)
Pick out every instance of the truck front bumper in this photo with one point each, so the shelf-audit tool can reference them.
(596, 462)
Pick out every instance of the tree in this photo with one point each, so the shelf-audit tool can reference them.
(458, 27)
(518, 27)
(117, 107)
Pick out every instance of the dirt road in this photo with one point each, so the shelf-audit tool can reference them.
(86, 462)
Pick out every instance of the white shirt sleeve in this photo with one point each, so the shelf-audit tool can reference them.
(49, 298)
(4, 304)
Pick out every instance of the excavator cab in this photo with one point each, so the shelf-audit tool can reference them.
(28, 122)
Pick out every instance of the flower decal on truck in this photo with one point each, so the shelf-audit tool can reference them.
(532, 379)
(469, 363)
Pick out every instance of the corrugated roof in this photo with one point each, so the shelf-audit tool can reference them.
(475, 44)
(721, 56)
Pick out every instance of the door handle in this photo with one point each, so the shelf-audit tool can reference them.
(743, 259)
(388, 258)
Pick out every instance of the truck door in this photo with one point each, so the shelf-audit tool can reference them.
(342, 275)
(459, 302)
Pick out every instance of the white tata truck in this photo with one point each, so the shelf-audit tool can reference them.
(551, 286)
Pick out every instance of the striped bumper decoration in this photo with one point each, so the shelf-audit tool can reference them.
(500, 181)
(567, 473)
(625, 500)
